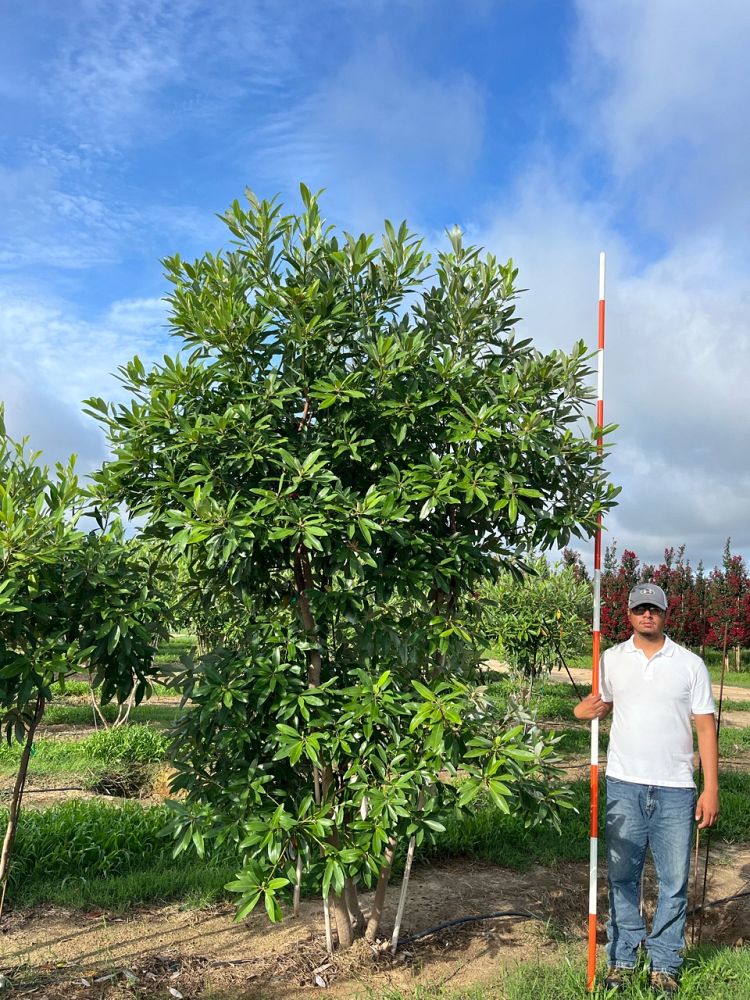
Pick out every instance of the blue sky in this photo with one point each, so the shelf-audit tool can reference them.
(546, 129)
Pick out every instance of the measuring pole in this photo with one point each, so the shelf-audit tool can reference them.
(595, 649)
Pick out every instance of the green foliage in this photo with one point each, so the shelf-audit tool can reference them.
(193, 886)
(127, 745)
(352, 440)
(542, 621)
(69, 599)
(86, 840)
(83, 714)
(69, 848)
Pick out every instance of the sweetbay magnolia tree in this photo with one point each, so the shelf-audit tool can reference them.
(350, 440)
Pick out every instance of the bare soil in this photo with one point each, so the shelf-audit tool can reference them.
(58, 953)
(165, 951)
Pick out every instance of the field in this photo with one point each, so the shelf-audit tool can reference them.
(100, 908)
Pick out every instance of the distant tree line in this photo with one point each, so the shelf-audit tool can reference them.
(701, 605)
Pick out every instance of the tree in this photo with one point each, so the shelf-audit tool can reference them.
(540, 622)
(729, 604)
(69, 600)
(346, 447)
(617, 582)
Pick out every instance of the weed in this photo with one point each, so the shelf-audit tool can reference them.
(734, 741)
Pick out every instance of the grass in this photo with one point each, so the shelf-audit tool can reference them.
(195, 886)
(490, 835)
(175, 647)
(708, 974)
(732, 705)
(124, 746)
(734, 741)
(731, 677)
(92, 854)
(83, 715)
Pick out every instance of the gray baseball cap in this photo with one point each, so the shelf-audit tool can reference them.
(647, 593)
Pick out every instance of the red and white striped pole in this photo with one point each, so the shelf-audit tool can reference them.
(595, 650)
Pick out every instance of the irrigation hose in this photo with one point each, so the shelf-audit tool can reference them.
(521, 914)
(525, 915)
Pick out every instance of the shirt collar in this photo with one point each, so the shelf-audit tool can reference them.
(666, 650)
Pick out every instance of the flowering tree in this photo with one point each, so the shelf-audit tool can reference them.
(729, 605)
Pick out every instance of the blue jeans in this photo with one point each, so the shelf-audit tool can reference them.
(662, 819)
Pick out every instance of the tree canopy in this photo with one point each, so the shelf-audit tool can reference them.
(350, 439)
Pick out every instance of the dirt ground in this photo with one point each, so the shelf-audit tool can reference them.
(58, 954)
(165, 951)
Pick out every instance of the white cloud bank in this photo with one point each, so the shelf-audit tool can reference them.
(50, 362)
(657, 90)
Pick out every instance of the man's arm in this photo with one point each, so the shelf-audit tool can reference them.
(707, 807)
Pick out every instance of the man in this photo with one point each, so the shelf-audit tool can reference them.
(653, 686)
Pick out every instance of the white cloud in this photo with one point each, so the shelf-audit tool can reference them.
(677, 360)
(379, 133)
(661, 86)
(50, 362)
(141, 70)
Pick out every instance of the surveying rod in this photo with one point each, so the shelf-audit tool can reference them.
(595, 650)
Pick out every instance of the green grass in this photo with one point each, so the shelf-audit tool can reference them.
(96, 854)
(119, 747)
(709, 974)
(734, 741)
(490, 835)
(731, 677)
(83, 715)
(550, 700)
(85, 854)
(193, 885)
(732, 705)
(175, 647)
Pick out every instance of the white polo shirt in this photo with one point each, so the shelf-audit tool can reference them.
(651, 739)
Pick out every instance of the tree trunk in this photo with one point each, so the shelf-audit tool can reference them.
(738, 657)
(402, 896)
(124, 710)
(405, 879)
(15, 802)
(297, 884)
(323, 779)
(343, 923)
(303, 583)
(97, 711)
(373, 924)
(356, 916)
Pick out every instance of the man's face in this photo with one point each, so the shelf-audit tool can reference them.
(647, 620)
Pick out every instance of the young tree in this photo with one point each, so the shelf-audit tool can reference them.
(69, 600)
(540, 622)
(729, 590)
(347, 446)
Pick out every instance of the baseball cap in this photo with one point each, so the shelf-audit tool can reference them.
(647, 593)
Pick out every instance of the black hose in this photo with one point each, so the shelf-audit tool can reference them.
(524, 915)
(719, 902)
(521, 914)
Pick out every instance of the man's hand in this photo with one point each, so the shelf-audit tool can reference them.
(707, 808)
(592, 707)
